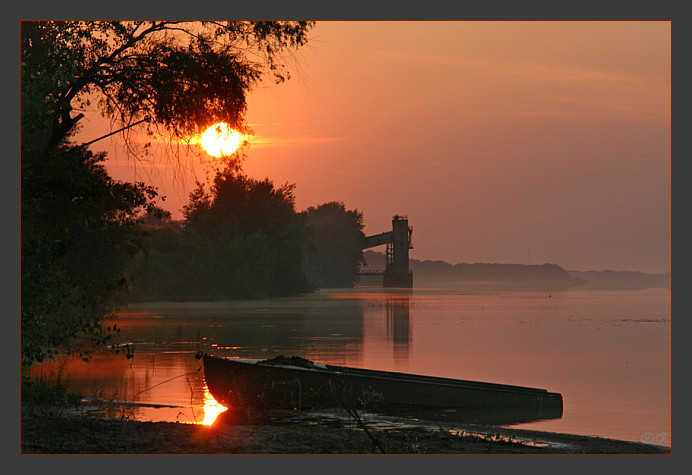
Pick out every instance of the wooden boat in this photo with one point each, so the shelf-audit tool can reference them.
(299, 383)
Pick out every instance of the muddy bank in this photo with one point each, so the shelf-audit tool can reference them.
(60, 432)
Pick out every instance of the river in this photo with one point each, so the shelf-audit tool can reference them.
(607, 352)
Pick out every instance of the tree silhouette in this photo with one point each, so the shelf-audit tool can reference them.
(337, 253)
(241, 239)
(182, 76)
(78, 224)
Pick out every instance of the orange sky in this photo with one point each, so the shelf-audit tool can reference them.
(503, 142)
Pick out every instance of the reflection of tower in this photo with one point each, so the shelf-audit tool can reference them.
(398, 325)
(397, 273)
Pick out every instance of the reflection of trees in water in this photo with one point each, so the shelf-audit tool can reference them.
(321, 329)
(327, 328)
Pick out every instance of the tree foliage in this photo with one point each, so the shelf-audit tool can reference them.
(184, 76)
(79, 226)
(78, 231)
(248, 204)
(242, 238)
(337, 251)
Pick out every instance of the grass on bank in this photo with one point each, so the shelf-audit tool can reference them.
(48, 391)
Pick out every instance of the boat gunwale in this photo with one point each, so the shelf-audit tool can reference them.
(391, 376)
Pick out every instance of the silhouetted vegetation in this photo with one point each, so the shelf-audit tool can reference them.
(519, 276)
(337, 254)
(79, 226)
(241, 239)
(78, 232)
(507, 276)
(184, 76)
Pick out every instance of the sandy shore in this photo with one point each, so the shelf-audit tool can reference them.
(60, 432)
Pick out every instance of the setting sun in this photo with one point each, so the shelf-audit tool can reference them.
(220, 140)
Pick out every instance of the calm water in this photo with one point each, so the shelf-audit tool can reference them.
(607, 353)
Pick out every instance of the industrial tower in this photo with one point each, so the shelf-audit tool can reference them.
(398, 241)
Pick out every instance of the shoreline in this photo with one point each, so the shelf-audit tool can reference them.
(56, 431)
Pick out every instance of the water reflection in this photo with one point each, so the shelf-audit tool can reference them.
(398, 324)
(608, 353)
(334, 328)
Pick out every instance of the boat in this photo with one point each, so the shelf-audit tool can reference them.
(298, 383)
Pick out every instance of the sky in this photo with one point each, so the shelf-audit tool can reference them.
(524, 142)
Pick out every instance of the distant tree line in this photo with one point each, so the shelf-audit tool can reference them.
(507, 276)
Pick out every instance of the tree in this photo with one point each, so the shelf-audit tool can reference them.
(241, 239)
(247, 204)
(259, 219)
(79, 228)
(78, 224)
(182, 76)
(337, 253)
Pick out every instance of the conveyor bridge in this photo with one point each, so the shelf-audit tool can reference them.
(398, 242)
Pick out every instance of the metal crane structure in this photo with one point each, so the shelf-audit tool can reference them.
(398, 242)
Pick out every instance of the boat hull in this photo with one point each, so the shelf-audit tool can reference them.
(250, 383)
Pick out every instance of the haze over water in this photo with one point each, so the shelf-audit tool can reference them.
(607, 352)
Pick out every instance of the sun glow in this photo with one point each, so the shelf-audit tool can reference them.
(211, 408)
(220, 140)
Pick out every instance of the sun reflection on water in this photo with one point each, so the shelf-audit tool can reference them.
(211, 408)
